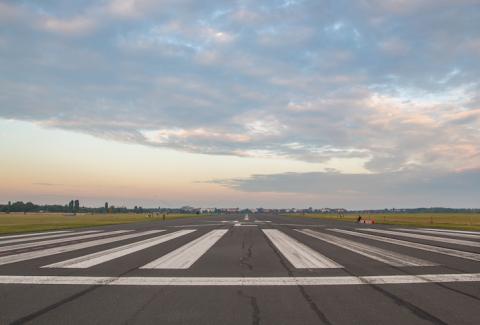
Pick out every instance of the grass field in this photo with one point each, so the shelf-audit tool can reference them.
(463, 221)
(19, 222)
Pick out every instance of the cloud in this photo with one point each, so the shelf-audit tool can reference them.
(47, 184)
(413, 188)
(302, 80)
(74, 26)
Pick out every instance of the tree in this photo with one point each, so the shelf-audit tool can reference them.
(77, 206)
(29, 207)
(106, 207)
(70, 206)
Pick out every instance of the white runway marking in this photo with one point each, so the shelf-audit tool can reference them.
(244, 225)
(455, 231)
(429, 248)
(444, 233)
(54, 241)
(199, 225)
(378, 254)
(297, 225)
(71, 247)
(432, 238)
(185, 256)
(299, 255)
(241, 281)
(34, 234)
(18, 240)
(96, 258)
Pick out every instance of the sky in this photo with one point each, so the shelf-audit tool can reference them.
(354, 104)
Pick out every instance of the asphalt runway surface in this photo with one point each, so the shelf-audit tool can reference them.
(267, 269)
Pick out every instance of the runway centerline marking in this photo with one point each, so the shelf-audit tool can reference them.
(241, 281)
(96, 258)
(426, 237)
(375, 253)
(429, 248)
(298, 254)
(185, 256)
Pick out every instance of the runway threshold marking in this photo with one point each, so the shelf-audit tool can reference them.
(185, 256)
(70, 247)
(429, 248)
(18, 240)
(242, 281)
(53, 241)
(454, 231)
(198, 225)
(375, 253)
(426, 237)
(4, 238)
(434, 232)
(298, 254)
(96, 258)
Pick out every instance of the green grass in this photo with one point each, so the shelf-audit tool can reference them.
(463, 221)
(19, 222)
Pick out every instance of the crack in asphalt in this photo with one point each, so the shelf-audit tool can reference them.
(43, 311)
(399, 301)
(254, 305)
(313, 306)
(132, 318)
(245, 258)
(442, 285)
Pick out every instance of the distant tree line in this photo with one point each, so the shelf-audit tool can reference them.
(73, 206)
(421, 210)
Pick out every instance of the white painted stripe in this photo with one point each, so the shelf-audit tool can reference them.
(455, 231)
(429, 248)
(55, 241)
(299, 255)
(185, 256)
(241, 281)
(244, 225)
(34, 234)
(434, 232)
(200, 225)
(298, 225)
(425, 237)
(96, 258)
(72, 247)
(18, 240)
(378, 254)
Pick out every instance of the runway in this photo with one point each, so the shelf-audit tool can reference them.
(264, 269)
